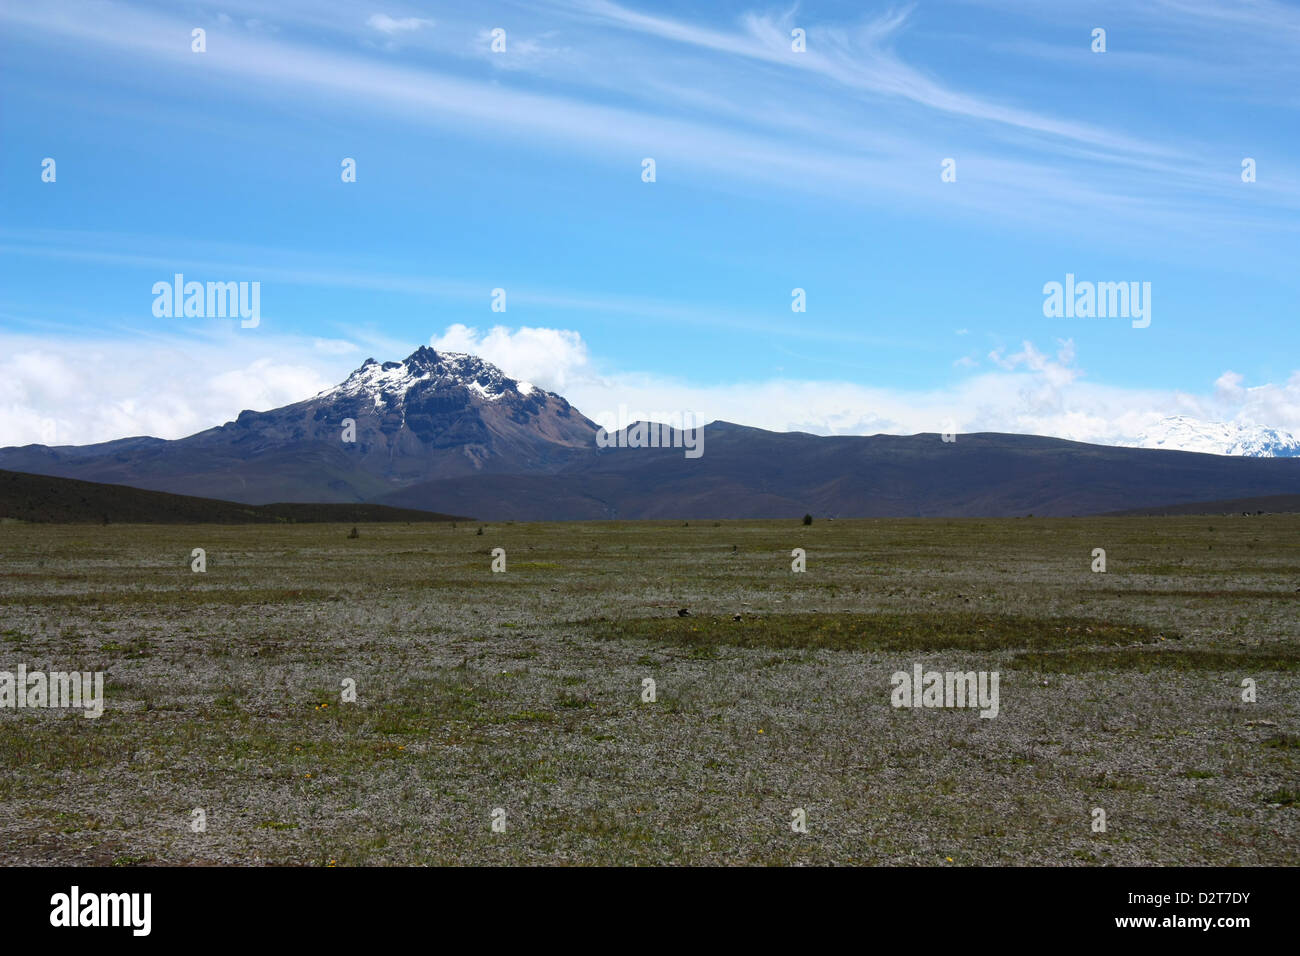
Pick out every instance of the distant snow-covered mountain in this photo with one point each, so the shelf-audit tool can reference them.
(1180, 433)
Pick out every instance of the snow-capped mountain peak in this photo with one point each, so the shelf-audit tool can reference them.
(387, 382)
(1180, 433)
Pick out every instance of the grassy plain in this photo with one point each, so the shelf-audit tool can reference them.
(523, 691)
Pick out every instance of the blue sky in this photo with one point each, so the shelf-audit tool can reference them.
(775, 169)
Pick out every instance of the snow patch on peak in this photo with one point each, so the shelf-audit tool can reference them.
(484, 392)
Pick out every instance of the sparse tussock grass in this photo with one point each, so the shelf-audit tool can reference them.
(523, 690)
(922, 631)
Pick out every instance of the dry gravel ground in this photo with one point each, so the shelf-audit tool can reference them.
(522, 691)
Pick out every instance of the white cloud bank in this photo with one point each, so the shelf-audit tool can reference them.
(1026, 392)
(59, 391)
(72, 392)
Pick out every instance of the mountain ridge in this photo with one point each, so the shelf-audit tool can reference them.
(449, 432)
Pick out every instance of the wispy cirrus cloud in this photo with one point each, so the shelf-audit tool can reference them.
(160, 258)
(1262, 18)
(858, 57)
(391, 25)
(745, 131)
